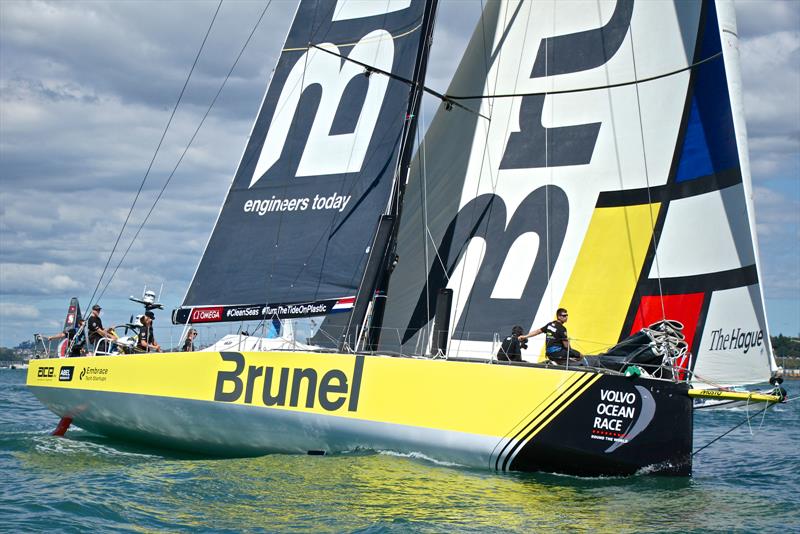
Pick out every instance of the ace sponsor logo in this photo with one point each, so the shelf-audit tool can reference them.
(46, 372)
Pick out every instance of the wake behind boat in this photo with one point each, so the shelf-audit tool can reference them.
(586, 156)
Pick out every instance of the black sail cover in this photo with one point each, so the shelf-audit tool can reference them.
(293, 236)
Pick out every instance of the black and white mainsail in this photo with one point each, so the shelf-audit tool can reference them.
(295, 231)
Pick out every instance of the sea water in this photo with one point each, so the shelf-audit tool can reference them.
(749, 481)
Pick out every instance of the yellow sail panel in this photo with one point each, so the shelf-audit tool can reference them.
(601, 286)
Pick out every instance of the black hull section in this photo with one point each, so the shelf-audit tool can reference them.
(618, 426)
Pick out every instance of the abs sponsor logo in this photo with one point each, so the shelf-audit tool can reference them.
(335, 390)
(94, 374)
(46, 372)
(736, 339)
(65, 375)
(207, 315)
(620, 416)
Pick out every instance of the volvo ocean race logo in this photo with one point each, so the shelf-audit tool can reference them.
(619, 417)
(282, 386)
(736, 339)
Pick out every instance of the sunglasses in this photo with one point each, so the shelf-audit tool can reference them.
(563, 315)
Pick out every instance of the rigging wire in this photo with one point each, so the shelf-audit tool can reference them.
(155, 154)
(301, 83)
(370, 69)
(746, 420)
(423, 171)
(191, 140)
(595, 88)
(485, 162)
(548, 257)
(453, 99)
(323, 240)
(335, 220)
(647, 181)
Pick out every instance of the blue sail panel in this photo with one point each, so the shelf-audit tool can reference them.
(709, 145)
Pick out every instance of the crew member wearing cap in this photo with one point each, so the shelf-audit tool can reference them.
(95, 326)
(147, 342)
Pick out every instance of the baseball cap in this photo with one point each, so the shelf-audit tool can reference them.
(96, 307)
(150, 314)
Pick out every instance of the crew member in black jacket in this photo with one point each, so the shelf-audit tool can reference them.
(510, 349)
(557, 346)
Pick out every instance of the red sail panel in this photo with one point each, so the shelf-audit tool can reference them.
(684, 308)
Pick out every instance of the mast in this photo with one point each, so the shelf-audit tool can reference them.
(383, 252)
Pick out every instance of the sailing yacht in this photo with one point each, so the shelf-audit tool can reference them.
(587, 155)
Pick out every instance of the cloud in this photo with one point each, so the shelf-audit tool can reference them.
(32, 279)
(771, 76)
(18, 311)
(757, 17)
(86, 89)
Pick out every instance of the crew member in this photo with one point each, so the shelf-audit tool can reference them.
(510, 349)
(188, 345)
(557, 346)
(95, 326)
(146, 341)
(77, 339)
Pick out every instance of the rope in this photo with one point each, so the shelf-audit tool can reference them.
(647, 179)
(185, 150)
(153, 159)
(423, 166)
(585, 89)
(746, 420)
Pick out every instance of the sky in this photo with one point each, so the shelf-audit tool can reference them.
(86, 89)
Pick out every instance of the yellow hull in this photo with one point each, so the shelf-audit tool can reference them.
(526, 417)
